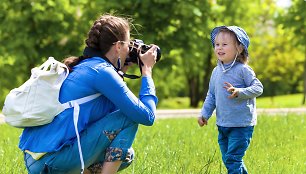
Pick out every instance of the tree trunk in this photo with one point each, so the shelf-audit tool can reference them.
(197, 90)
(304, 77)
(208, 69)
(193, 83)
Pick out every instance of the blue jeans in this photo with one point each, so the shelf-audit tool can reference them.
(109, 139)
(233, 142)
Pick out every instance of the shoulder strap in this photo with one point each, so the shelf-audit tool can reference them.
(80, 101)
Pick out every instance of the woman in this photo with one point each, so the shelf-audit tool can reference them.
(107, 125)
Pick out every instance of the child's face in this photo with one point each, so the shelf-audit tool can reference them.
(225, 47)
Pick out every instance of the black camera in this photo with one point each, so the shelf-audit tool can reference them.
(137, 46)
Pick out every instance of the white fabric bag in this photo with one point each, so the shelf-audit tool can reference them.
(36, 102)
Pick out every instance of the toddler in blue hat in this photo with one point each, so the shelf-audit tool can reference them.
(233, 89)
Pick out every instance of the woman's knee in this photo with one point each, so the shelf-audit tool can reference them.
(119, 154)
(115, 154)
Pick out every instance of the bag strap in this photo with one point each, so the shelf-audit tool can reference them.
(52, 63)
(76, 111)
(80, 101)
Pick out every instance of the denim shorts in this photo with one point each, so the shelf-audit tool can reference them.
(109, 139)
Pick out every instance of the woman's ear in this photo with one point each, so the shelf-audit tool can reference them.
(117, 46)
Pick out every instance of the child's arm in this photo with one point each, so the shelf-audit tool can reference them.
(209, 104)
(254, 86)
(207, 108)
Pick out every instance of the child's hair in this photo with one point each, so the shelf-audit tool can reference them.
(243, 56)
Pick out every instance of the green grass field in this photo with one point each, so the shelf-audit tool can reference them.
(180, 146)
(282, 101)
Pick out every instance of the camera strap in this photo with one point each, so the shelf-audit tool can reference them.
(130, 76)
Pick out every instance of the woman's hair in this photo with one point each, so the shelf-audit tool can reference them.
(242, 57)
(106, 30)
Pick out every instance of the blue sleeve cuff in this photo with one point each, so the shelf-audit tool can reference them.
(147, 88)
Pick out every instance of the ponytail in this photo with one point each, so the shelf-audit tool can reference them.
(71, 61)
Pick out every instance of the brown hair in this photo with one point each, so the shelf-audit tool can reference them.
(106, 30)
(242, 57)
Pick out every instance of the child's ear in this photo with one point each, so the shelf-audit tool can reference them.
(240, 48)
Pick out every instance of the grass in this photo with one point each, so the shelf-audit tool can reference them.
(10, 156)
(178, 146)
(282, 101)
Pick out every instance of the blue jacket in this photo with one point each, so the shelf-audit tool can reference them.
(237, 112)
(93, 75)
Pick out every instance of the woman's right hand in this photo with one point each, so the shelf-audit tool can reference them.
(148, 59)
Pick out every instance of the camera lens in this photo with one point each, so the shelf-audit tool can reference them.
(138, 45)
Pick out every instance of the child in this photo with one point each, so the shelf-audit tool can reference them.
(233, 89)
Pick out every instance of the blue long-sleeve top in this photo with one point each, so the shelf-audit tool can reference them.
(91, 76)
(239, 111)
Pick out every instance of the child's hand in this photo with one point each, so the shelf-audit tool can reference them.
(202, 121)
(231, 89)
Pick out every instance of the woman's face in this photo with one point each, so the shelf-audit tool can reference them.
(225, 47)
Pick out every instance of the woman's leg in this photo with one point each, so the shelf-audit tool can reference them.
(119, 154)
(97, 167)
(94, 142)
(111, 167)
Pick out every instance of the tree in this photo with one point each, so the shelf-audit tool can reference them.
(31, 31)
(180, 29)
(294, 21)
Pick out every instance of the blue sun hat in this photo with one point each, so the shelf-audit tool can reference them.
(241, 35)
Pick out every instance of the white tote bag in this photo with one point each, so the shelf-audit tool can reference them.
(36, 102)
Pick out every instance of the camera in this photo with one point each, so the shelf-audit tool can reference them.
(137, 46)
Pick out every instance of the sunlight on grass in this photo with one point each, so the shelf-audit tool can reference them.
(282, 101)
(10, 156)
(181, 146)
(173, 146)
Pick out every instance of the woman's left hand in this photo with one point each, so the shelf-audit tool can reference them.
(148, 59)
(231, 89)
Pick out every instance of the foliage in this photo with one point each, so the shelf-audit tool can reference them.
(294, 21)
(30, 31)
(181, 146)
(282, 73)
(182, 38)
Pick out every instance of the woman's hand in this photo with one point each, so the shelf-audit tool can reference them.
(231, 89)
(148, 59)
